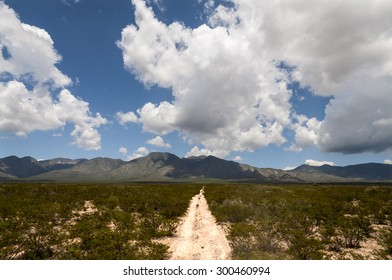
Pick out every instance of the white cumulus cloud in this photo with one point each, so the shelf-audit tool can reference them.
(312, 162)
(387, 161)
(158, 142)
(357, 120)
(124, 118)
(196, 151)
(237, 158)
(339, 49)
(140, 152)
(288, 168)
(35, 62)
(123, 151)
(225, 94)
(29, 82)
(306, 133)
(230, 92)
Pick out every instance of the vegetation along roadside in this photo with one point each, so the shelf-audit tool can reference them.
(127, 221)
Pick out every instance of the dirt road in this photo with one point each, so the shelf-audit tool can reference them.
(198, 236)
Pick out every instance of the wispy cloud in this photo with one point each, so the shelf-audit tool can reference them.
(70, 2)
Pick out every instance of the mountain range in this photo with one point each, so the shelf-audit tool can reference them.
(168, 167)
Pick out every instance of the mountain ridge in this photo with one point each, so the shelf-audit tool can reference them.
(168, 167)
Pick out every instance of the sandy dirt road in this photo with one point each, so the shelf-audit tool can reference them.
(198, 236)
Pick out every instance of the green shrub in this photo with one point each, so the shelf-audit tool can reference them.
(41, 221)
(298, 221)
(386, 242)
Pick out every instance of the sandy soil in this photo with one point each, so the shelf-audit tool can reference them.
(198, 236)
(88, 209)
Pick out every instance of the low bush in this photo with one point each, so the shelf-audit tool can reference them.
(120, 221)
(299, 222)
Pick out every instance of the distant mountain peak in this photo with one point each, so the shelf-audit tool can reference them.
(197, 157)
(166, 166)
(161, 155)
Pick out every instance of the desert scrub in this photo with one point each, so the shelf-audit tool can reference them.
(255, 241)
(386, 243)
(89, 221)
(300, 221)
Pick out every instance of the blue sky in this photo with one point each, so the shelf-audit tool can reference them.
(267, 84)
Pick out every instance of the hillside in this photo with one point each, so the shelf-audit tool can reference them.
(14, 167)
(168, 167)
